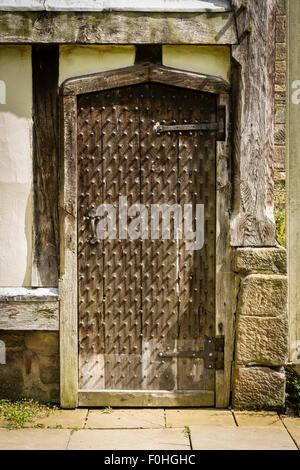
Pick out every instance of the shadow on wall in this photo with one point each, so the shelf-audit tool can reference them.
(31, 368)
(28, 234)
(2, 92)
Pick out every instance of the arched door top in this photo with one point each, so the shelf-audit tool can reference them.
(142, 74)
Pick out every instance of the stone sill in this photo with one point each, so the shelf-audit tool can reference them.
(213, 6)
(29, 294)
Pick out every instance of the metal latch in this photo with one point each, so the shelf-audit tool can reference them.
(212, 354)
(202, 126)
(215, 127)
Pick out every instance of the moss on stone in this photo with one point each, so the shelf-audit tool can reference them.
(293, 391)
(280, 212)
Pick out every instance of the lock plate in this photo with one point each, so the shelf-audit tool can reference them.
(212, 354)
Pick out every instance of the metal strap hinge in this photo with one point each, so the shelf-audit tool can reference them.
(212, 354)
(202, 126)
(217, 128)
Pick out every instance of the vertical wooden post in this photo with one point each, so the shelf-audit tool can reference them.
(225, 280)
(68, 255)
(252, 222)
(293, 179)
(45, 165)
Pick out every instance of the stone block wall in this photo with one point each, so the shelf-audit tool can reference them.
(261, 348)
(280, 87)
(32, 365)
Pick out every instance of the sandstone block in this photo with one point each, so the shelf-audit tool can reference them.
(260, 260)
(280, 29)
(280, 134)
(281, 7)
(262, 341)
(263, 296)
(280, 114)
(280, 157)
(258, 388)
(281, 52)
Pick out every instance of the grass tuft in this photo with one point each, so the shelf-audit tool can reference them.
(293, 391)
(18, 413)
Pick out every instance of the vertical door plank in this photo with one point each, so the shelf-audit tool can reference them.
(160, 276)
(120, 140)
(196, 177)
(90, 260)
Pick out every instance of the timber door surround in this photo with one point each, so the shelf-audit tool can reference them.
(151, 321)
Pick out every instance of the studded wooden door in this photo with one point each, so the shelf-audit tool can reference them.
(146, 304)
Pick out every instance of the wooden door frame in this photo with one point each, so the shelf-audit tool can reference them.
(225, 290)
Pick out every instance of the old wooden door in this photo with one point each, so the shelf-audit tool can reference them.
(146, 306)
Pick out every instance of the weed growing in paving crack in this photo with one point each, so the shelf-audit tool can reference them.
(18, 413)
(107, 410)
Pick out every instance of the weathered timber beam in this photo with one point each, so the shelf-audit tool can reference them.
(29, 316)
(144, 398)
(45, 254)
(117, 28)
(26, 308)
(141, 74)
(30, 309)
(253, 126)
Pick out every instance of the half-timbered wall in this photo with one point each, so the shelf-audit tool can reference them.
(259, 265)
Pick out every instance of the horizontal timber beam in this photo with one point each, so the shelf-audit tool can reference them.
(117, 28)
(141, 74)
(29, 309)
(29, 316)
(151, 398)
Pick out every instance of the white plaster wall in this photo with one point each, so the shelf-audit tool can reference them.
(211, 60)
(15, 166)
(82, 60)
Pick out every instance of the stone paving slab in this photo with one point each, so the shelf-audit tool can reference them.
(261, 418)
(129, 439)
(126, 419)
(64, 418)
(239, 438)
(34, 439)
(196, 417)
(293, 427)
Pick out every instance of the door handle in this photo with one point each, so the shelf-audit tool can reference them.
(92, 222)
